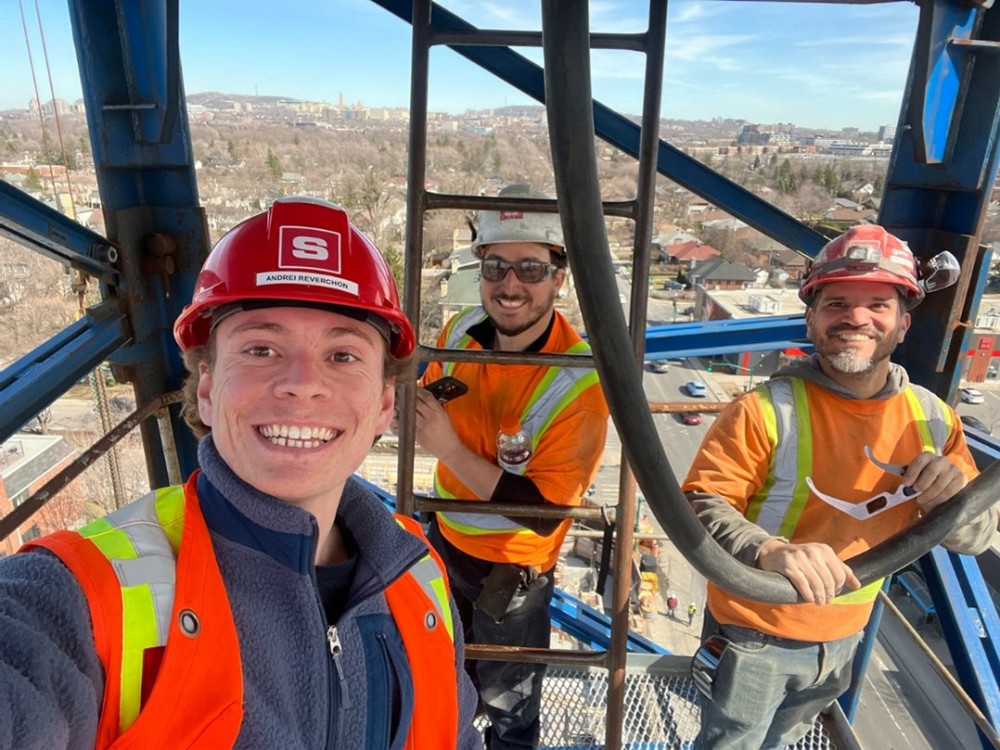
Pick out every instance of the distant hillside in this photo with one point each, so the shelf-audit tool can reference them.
(217, 100)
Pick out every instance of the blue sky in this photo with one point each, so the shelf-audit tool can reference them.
(817, 65)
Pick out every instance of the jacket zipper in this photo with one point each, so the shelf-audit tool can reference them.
(333, 638)
(337, 706)
(384, 646)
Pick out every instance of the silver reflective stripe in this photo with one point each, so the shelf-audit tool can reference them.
(557, 388)
(784, 470)
(431, 580)
(464, 320)
(482, 521)
(155, 565)
(550, 398)
(792, 460)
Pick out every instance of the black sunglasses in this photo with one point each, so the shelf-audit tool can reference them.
(527, 271)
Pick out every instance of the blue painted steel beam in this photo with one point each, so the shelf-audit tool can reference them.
(568, 613)
(592, 628)
(727, 336)
(621, 132)
(943, 205)
(49, 233)
(935, 85)
(129, 60)
(38, 378)
(850, 700)
(135, 104)
(970, 623)
(985, 448)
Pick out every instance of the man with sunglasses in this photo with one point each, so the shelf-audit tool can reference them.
(827, 459)
(500, 567)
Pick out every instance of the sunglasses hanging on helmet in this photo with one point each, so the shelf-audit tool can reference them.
(939, 272)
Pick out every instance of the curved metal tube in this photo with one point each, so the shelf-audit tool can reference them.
(571, 135)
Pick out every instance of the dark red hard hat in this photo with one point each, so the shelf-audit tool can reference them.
(866, 252)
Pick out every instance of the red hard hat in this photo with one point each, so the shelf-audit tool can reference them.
(301, 250)
(866, 252)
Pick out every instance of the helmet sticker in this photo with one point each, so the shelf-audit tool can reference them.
(266, 278)
(309, 249)
(309, 256)
(507, 215)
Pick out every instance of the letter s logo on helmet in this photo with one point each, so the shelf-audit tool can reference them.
(310, 248)
(300, 250)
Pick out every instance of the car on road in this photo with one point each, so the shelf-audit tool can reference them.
(691, 417)
(673, 286)
(696, 389)
(971, 395)
(659, 365)
(977, 424)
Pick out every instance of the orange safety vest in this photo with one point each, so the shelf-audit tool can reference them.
(125, 576)
(561, 408)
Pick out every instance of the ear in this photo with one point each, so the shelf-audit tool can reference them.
(904, 326)
(205, 394)
(558, 278)
(387, 406)
(809, 320)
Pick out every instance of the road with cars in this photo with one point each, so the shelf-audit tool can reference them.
(988, 412)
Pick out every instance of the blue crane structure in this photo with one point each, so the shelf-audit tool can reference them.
(939, 182)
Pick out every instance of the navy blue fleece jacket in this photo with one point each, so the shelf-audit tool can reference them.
(51, 681)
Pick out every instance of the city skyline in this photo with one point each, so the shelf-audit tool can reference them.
(753, 61)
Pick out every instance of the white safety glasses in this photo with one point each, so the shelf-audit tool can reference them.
(869, 508)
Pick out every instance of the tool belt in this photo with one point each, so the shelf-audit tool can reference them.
(504, 581)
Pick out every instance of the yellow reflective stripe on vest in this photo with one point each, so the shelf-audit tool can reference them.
(776, 508)
(475, 524)
(140, 541)
(558, 387)
(557, 390)
(457, 333)
(431, 579)
(932, 422)
(778, 505)
(863, 595)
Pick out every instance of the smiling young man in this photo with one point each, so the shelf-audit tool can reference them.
(784, 482)
(272, 601)
(501, 567)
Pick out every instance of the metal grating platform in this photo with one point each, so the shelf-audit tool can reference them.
(661, 708)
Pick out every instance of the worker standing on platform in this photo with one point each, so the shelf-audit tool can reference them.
(771, 491)
(272, 601)
(501, 568)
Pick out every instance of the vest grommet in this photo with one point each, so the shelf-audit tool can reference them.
(430, 620)
(189, 623)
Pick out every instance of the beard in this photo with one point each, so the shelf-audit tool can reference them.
(533, 313)
(852, 362)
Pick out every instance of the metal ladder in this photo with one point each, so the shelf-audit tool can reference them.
(564, 20)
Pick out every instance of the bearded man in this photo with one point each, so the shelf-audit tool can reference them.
(793, 478)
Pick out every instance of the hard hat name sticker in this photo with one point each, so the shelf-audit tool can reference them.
(310, 279)
(309, 249)
(506, 215)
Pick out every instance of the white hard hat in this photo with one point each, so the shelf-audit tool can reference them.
(518, 226)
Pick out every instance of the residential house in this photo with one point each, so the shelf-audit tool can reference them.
(689, 252)
(716, 273)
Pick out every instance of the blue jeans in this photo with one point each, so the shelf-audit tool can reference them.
(511, 692)
(768, 691)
